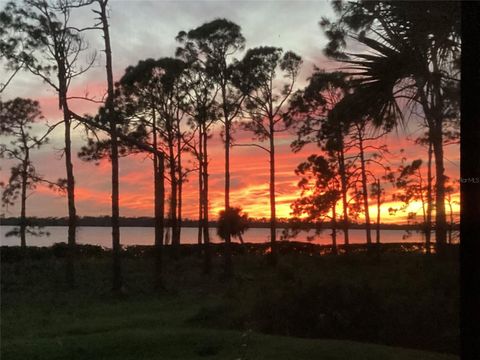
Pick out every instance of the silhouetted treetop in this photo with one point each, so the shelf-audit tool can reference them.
(18, 113)
(144, 72)
(34, 34)
(311, 110)
(260, 65)
(425, 22)
(219, 35)
(412, 45)
(320, 188)
(212, 44)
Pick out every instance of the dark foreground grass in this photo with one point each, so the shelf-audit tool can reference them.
(199, 317)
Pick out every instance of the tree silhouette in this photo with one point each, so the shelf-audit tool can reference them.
(50, 49)
(17, 117)
(411, 57)
(377, 192)
(155, 96)
(430, 203)
(172, 104)
(232, 223)
(364, 142)
(411, 187)
(202, 108)
(112, 123)
(311, 116)
(320, 185)
(256, 76)
(215, 43)
(108, 115)
(170, 98)
(141, 93)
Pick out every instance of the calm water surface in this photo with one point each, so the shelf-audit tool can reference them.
(95, 235)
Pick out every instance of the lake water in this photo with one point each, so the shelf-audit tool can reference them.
(95, 235)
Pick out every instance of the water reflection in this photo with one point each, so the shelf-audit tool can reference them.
(144, 236)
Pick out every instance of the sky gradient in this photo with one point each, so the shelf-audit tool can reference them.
(143, 29)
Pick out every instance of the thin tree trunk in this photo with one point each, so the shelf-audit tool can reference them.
(273, 216)
(228, 251)
(72, 217)
(344, 186)
(433, 115)
(117, 265)
(422, 199)
(436, 113)
(428, 231)
(23, 210)
(450, 228)
(206, 235)
(180, 186)
(440, 216)
(334, 229)
(72, 214)
(173, 199)
(117, 248)
(364, 187)
(158, 174)
(200, 185)
(379, 203)
(159, 220)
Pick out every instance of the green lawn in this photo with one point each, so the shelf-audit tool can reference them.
(158, 329)
(189, 320)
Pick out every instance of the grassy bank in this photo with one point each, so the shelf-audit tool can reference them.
(309, 307)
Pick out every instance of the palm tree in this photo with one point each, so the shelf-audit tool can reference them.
(411, 60)
(232, 223)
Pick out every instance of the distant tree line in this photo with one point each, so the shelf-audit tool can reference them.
(146, 221)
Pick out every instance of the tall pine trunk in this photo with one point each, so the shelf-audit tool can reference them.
(117, 249)
(72, 216)
(334, 229)
(72, 213)
(159, 218)
(379, 199)
(23, 209)
(450, 228)
(273, 216)
(440, 215)
(344, 190)
(433, 113)
(200, 185)
(364, 186)
(228, 250)
(180, 186)
(206, 235)
(428, 230)
(173, 199)
(159, 201)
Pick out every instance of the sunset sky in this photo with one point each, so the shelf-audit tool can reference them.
(144, 29)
